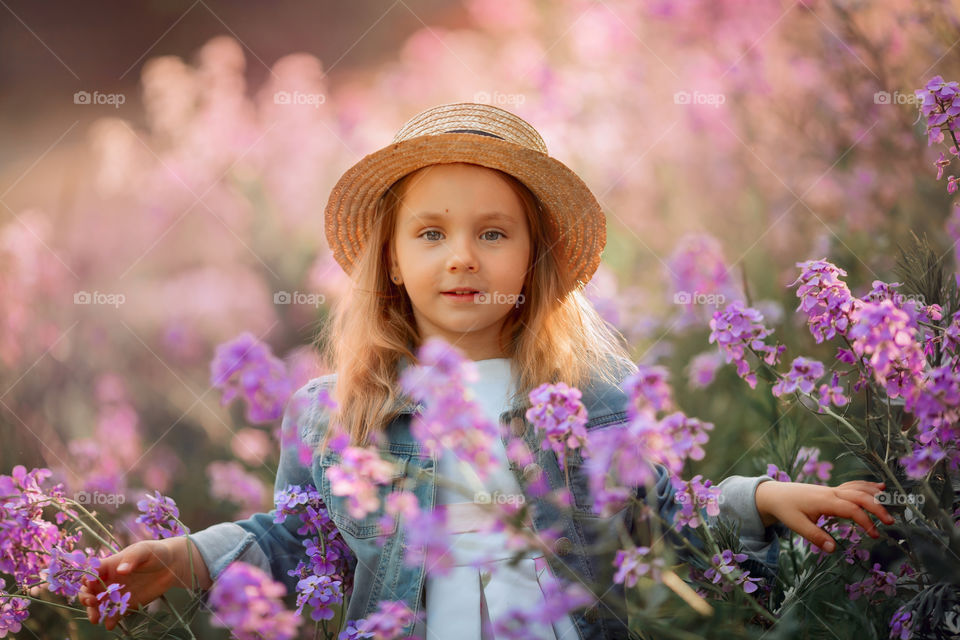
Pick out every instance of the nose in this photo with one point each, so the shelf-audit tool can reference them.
(462, 257)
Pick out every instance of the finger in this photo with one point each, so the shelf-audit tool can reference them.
(93, 615)
(851, 511)
(868, 502)
(813, 533)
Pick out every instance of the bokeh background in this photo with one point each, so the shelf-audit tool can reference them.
(164, 168)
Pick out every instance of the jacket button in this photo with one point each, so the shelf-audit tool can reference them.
(562, 546)
(592, 614)
(518, 427)
(530, 472)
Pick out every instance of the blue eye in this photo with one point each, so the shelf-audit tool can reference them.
(497, 232)
(429, 231)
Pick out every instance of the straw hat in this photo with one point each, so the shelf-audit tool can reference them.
(479, 134)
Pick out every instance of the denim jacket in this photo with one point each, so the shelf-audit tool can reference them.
(582, 551)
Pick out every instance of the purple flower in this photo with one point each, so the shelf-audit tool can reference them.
(885, 338)
(451, 420)
(703, 368)
(230, 481)
(777, 474)
(13, 611)
(803, 376)
(878, 581)
(114, 601)
(559, 600)
(900, 624)
(812, 466)
(26, 537)
(356, 476)
(160, 515)
(388, 621)
(693, 497)
(725, 563)
(68, 570)
(247, 601)
(246, 367)
(428, 542)
(700, 277)
(326, 576)
(832, 393)
(825, 298)
(557, 411)
(737, 328)
(633, 563)
(940, 106)
(649, 392)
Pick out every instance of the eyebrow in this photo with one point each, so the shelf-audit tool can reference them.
(428, 216)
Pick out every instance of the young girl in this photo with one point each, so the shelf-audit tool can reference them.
(464, 229)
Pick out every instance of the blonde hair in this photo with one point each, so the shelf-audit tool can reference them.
(554, 336)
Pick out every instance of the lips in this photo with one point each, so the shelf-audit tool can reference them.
(461, 290)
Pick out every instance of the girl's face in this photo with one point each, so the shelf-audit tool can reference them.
(461, 226)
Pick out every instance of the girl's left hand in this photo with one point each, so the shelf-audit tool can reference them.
(799, 505)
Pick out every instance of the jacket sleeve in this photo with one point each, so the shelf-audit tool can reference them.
(760, 543)
(278, 546)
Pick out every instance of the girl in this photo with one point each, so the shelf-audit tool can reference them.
(464, 229)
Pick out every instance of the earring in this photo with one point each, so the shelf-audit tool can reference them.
(396, 279)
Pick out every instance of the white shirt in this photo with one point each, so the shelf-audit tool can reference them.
(465, 603)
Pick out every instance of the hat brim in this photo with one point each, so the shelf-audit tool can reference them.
(575, 218)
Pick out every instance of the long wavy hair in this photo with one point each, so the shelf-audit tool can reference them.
(555, 335)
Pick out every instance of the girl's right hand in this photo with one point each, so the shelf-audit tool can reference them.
(147, 569)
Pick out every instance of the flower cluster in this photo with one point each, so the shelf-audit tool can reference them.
(825, 299)
(724, 564)
(885, 338)
(452, 421)
(68, 570)
(246, 367)
(632, 564)
(558, 601)
(737, 328)
(13, 611)
(356, 476)
(160, 515)
(248, 602)
(114, 602)
(648, 391)
(325, 577)
(386, 623)
(878, 581)
(699, 277)
(812, 469)
(557, 411)
(939, 107)
(693, 496)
